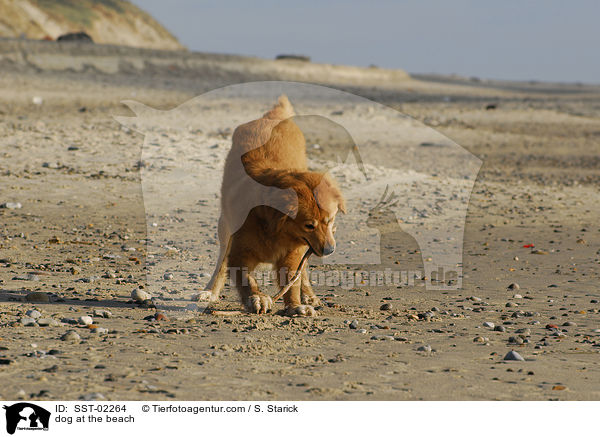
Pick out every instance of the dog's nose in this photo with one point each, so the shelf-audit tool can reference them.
(328, 249)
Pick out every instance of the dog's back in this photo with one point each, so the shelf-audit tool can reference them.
(273, 141)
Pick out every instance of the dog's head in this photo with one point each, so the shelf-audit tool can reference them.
(319, 200)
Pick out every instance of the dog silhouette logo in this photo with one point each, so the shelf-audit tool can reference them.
(26, 416)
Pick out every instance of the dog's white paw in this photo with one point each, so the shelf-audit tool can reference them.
(259, 303)
(311, 299)
(203, 296)
(301, 310)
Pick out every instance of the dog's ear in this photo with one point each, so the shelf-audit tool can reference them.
(341, 204)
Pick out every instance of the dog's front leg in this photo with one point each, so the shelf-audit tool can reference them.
(253, 300)
(286, 269)
(308, 294)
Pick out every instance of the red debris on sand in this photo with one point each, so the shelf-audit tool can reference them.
(528, 246)
(551, 327)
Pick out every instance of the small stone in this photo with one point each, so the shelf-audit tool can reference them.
(524, 331)
(510, 304)
(140, 295)
(353, 324)
(514, 286)
(168, 276)
(98, 330)
(569, 324)
(515, 340)
(161, 317)
(488, 325)
(47, 322)
(386, 307)
(5, 361)
(500, 328)
(480, 340)
(513, 356)
(85, 320)
(70, 336)
(474, 299)
(28, 321)
(103, 313)
(424, 348)
(517, 296)
(362, 331)
(11, 205)
(34, 314)
(551, 327)
(426, 315)
(37, 297)
(92, 397)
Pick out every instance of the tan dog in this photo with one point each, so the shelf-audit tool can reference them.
(272, 210)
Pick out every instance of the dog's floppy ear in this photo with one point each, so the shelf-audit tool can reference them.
(341, 204)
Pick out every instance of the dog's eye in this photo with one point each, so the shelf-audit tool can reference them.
(310, 226)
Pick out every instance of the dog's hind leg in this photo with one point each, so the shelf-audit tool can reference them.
(308, 294)
(219, 276)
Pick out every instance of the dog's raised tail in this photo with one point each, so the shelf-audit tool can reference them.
(282, 110)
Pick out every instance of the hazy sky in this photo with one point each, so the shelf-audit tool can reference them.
(553, 40)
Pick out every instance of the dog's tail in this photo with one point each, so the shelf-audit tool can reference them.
(282, 110)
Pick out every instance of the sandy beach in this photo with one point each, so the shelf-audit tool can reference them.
(93, 208)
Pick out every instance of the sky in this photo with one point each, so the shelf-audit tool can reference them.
(548, 40)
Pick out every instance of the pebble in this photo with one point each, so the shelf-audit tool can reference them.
(500, 328)
(168, 276)
(92, 397)
(386, 307)
(524, 331)
(34, 314)
(424, 348)
(514, 286)
(99, 330)
(27, 277)
(47, 322)
(513, 356)
(474, 299)
(362, 331)
(103, 313)
(511, 304)
(480, 339)
(517, 296)
(488, 325)
(569, 324)
(353, 324)
(11, 205)
(85, 320)
(38, 297)
(161, 317)
(515, 340)
(70, 336)
(140, 295)
(28, 321)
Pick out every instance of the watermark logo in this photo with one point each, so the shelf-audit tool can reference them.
(406, 186)
(25, 416)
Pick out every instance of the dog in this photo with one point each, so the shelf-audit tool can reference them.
(273, 209)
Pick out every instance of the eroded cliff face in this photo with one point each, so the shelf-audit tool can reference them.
(106, 21)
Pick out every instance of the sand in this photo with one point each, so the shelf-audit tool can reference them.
(85, 235)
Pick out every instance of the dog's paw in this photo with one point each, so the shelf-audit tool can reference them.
(311, 299)
(259, 303)
(301, 310)
(203, 296)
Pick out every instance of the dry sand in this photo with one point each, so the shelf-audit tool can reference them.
(81, 233)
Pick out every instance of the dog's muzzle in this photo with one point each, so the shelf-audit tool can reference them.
(328, 249)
